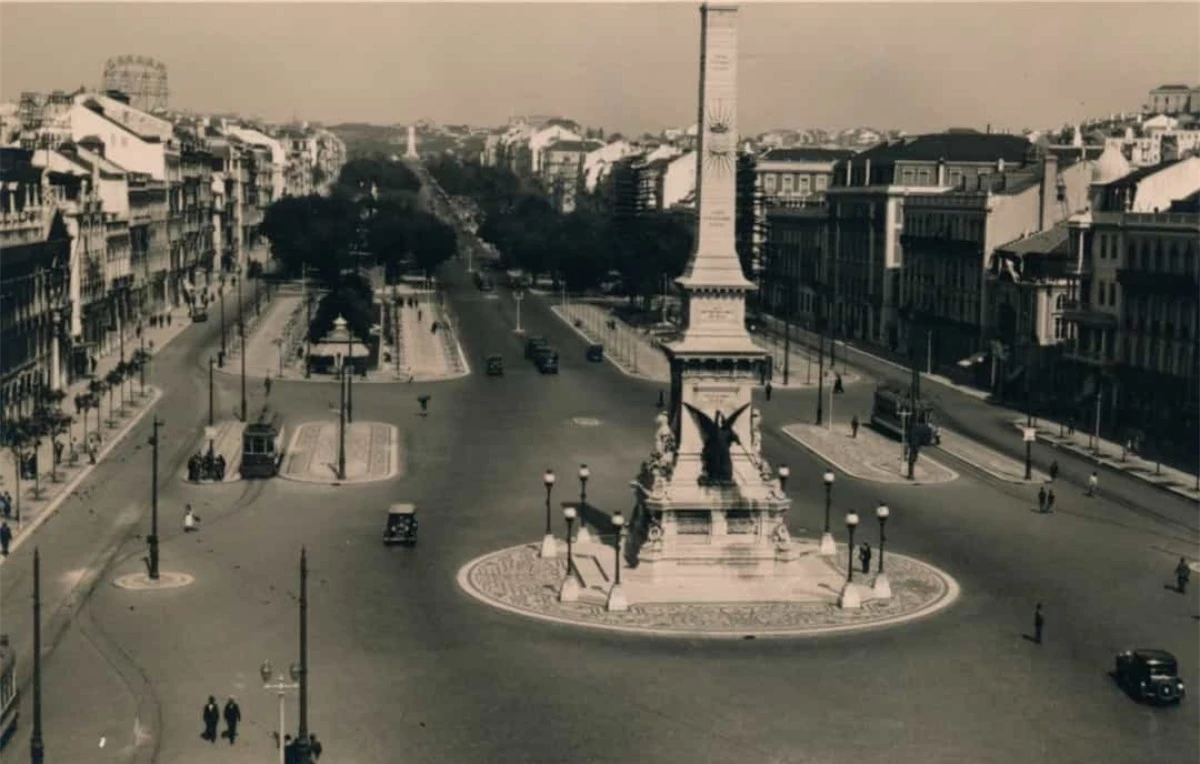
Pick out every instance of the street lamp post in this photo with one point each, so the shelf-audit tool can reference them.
(549, 547)
(584, 473)
(242, 332)
(342, 429)
(224, 349)
(211, 361)
(37, 748)
(784, 473)
(882, 587)
(280, 686)
(820, 372)
(518, 296)
(302, 749)
(850, 597)
(152, 539)
(616, 596)
(569, 591)
(828, 547)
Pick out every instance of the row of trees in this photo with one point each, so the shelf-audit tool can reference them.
(582, 247)
(373, 217)
(24, 435)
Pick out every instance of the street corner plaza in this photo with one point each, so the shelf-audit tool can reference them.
(804, 602)
(372, 453)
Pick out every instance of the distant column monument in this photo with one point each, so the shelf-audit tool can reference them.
(411, 153)
(708, 501)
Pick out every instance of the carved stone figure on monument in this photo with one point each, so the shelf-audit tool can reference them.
(755, 431)
(719, 438)
(665, 439)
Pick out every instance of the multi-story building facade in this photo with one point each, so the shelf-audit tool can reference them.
(562, 171)
(1175, 99)
(1132, 306)
(34, 283)
(796, 175)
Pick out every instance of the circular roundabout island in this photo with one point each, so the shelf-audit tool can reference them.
(813, 599)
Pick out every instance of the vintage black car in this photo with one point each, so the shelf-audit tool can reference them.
(495, 366)
(546, 361)
(595, 353)
(1150, 675)
(199, 315)
(401, 525)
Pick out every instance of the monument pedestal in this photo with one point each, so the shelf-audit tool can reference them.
(850, 599)
(828, 547)
(569, 590)
(549, 548)
(616, 599)
(882, 588)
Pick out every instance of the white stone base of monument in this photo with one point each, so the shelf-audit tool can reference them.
(882, 589)
(616, 599)
(569, 591)
(549, 547)
(849, 599)
(827, 545)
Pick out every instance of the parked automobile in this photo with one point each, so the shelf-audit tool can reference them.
(546, 361)
(595, 353)
(1150, 675)
(401, 527)
(199, 315)
(495, 366)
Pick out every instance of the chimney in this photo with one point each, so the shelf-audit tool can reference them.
(849, 170)
(1049, 191)
(1000, 164)
(867, 172)
(941, 171)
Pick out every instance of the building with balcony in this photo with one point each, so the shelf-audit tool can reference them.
(562, 171)
(795, 260)
(796, 174)
(35, 252)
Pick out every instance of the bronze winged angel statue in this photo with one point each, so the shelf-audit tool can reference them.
(718, 438)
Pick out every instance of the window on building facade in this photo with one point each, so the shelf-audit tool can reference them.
(923, 177)
(956, 179)
(1060, 302)
(822, 182)
(786, 183)
(906, 177)
(802, 184)
(769, 183)
(1100, 293)
(1112, 293)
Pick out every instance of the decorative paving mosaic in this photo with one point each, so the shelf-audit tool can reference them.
(312, 454)
(518, 580)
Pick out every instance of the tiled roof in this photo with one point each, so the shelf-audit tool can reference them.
(1172, 87)
(1140, 174)
(805, 155)
(1051, 241)
(953, 147)
(1189, 203)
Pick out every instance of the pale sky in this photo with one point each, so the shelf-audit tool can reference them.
(624, 67)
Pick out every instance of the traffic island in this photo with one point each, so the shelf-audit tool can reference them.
(519, 580)
(372, 453)
(141, 582)
(867, 456)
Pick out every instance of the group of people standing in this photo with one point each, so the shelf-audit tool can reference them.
(232, 713)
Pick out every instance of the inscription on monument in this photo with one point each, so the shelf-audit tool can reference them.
(711, 399)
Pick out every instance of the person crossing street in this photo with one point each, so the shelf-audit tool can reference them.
(212, 717)
(233, 716)
(1182, 573)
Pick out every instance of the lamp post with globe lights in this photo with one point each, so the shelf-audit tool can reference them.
(584, 473)
(784, 473)
(882, 586)
(849, 597)
(569, 591)
(549, 547)
(281, 686)
(828, 547)
(616, 596)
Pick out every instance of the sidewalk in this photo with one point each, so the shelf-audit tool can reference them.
(277, 322)
(870, 456)
(633, 352)
(981, 457)
(372, 453)
(803, 366)
(1114, 457)
(52, 492)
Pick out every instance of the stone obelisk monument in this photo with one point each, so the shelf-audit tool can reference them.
(708, 501)
(411, 153)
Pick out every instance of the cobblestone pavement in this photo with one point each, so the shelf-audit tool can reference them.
(870, 456)
(1115, 457)
(372, 453)
(628, 349)
(521, 582)
(992, 462)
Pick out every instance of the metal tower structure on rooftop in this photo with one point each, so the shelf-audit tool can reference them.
(141, 78)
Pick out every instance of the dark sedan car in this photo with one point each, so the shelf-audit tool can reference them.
(1150, 675)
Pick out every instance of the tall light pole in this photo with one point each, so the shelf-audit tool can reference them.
(850, 597)
(616, 596)
(211, 361)
(152, 539)
(342, 428)
(37, 748)
(224, 349)
(881, 586)
(549, 548)
(784, 472)
(827, 545)
(518, 296)
(302, 749)
(280, 686)
(584, 474)
(820, 369)
(242, 332)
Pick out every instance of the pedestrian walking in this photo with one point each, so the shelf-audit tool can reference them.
(212, 717)
(314, 746)
(1042, 499)
(1093, 484)
(5, 505)
(1050, 500)
(289, 750)
(854, 426)
(5, 538)
(837, 383)
(1039, 622)
(420, 315)
(1182, 573)
(864, 556)
(767, 389)
(190, 520)
(267, 385)
(1054, 470)
(233, 715)
(424, 401)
